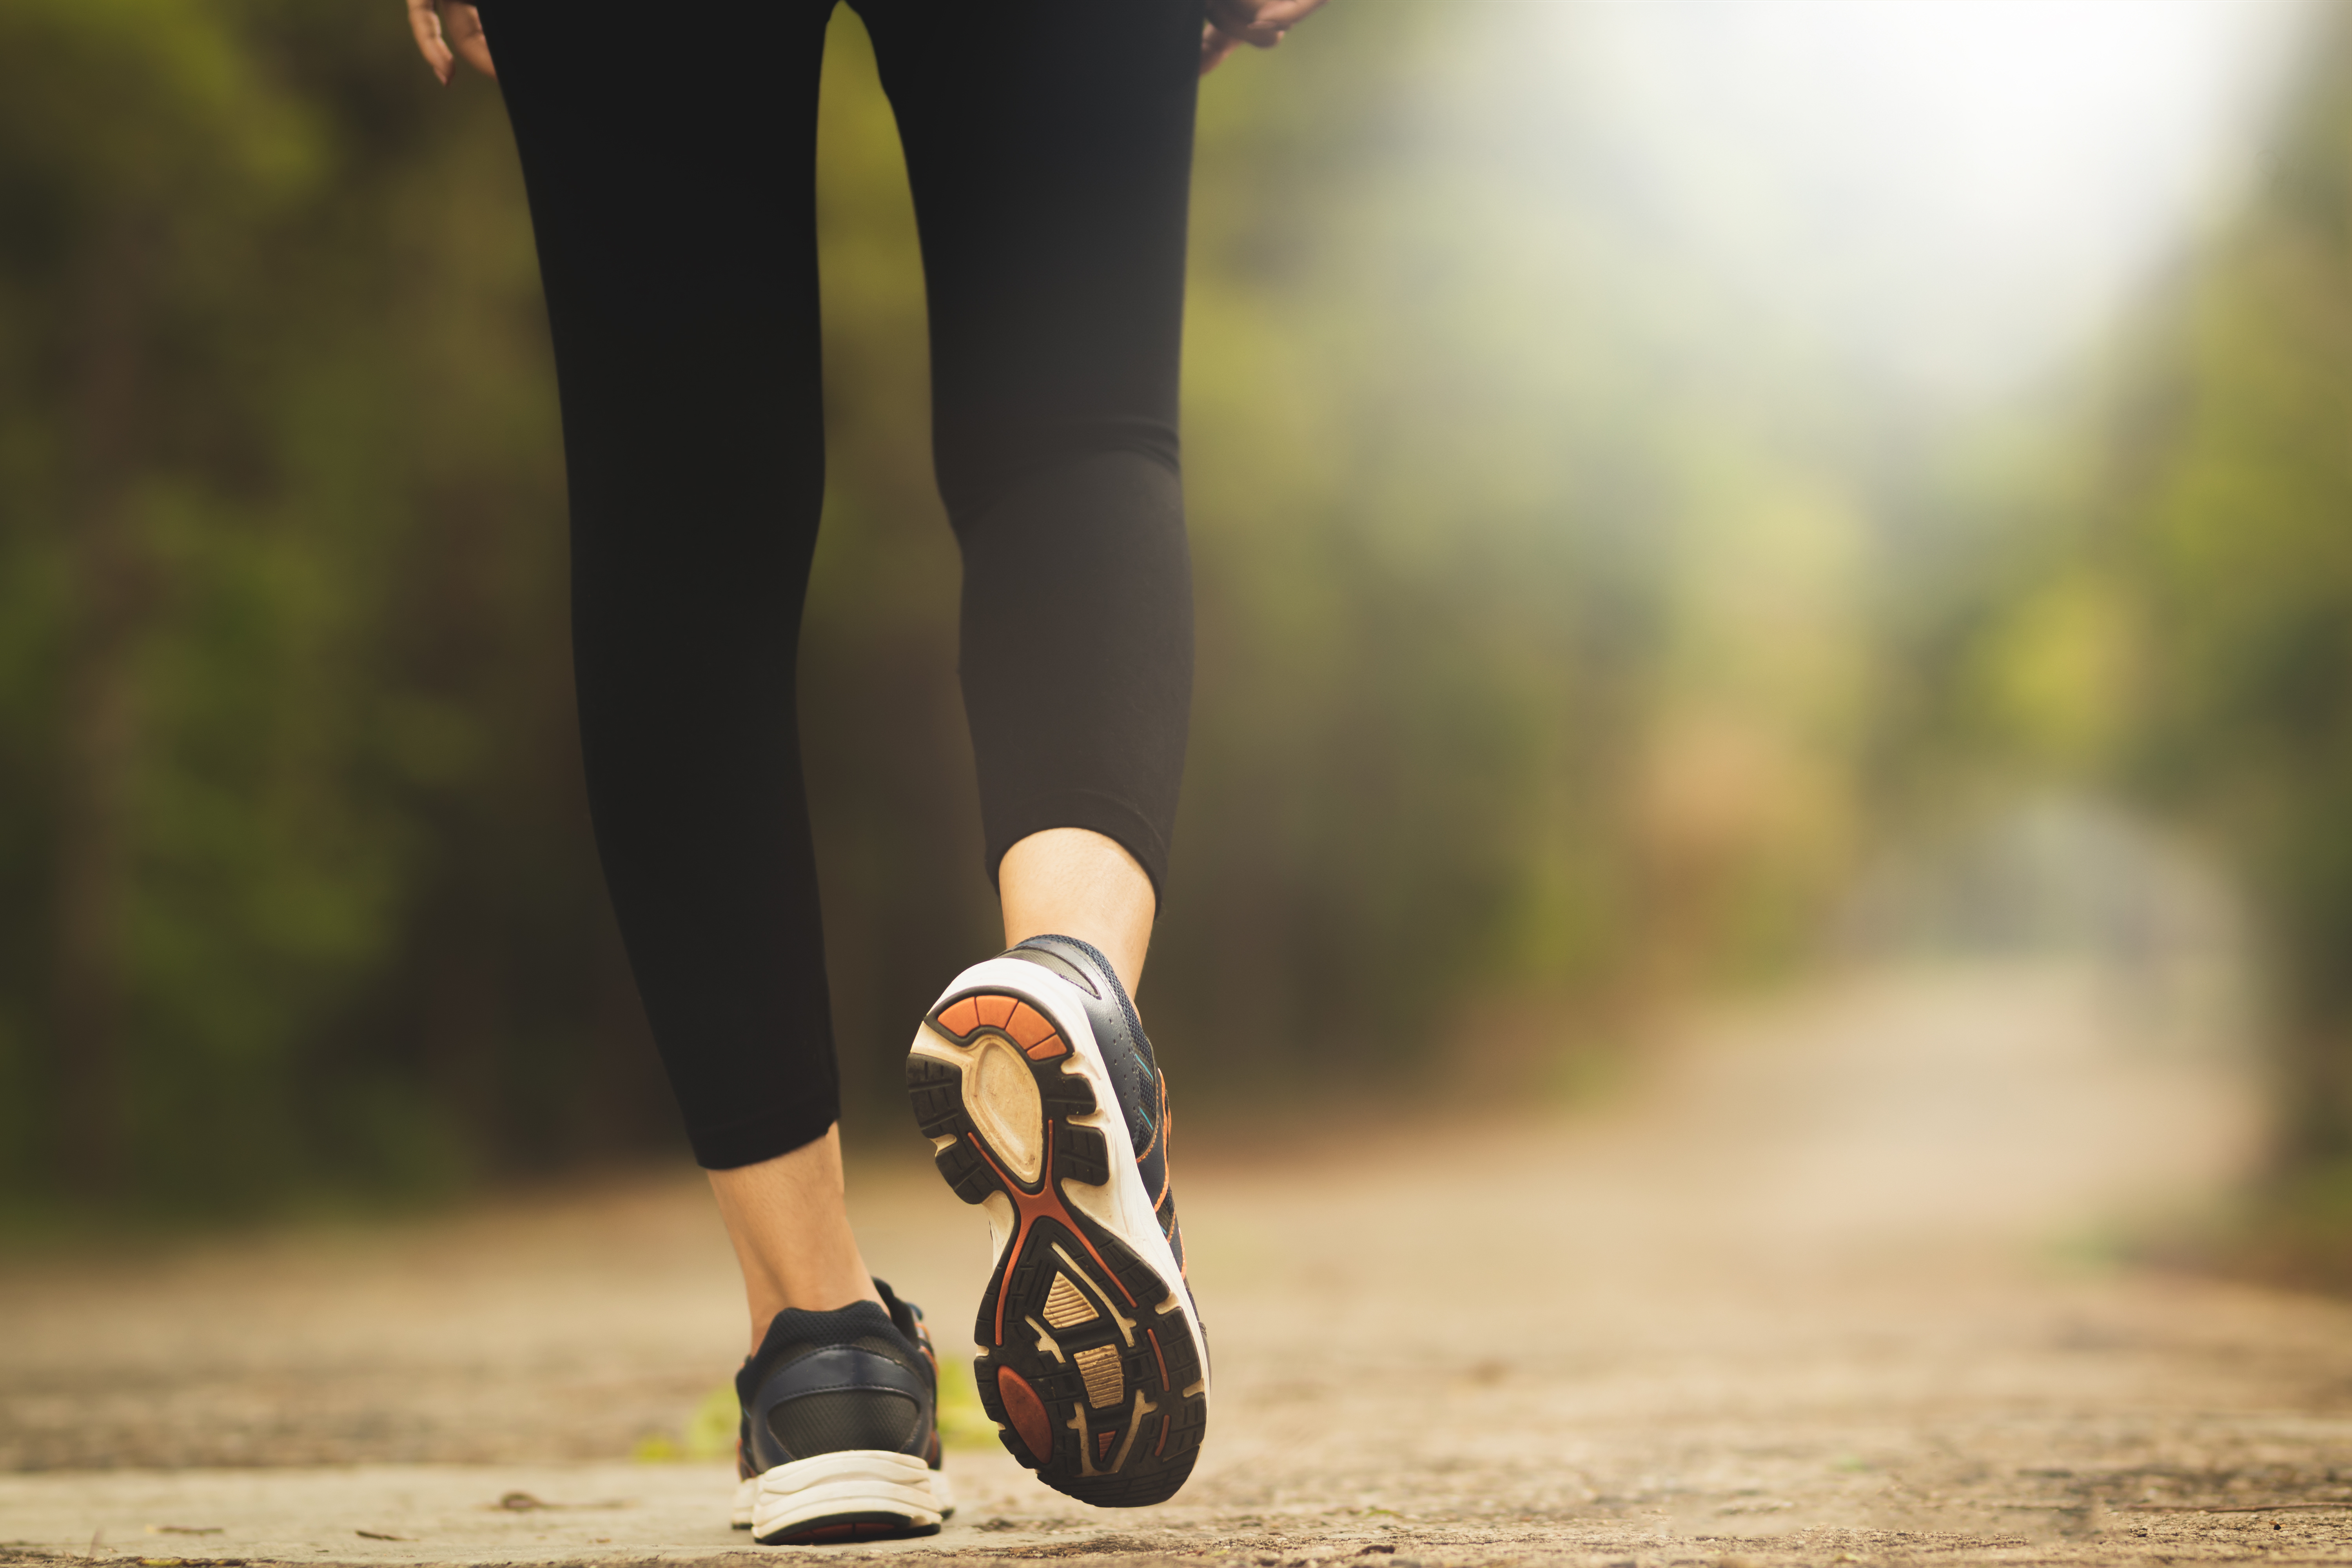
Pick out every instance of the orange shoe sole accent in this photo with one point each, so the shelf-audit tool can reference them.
(1030, 1207)
(1027, 1412)
(1029, 1028)
(1016, 1020)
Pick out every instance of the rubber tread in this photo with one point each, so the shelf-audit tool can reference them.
(849, 1527)
(1160, 1457)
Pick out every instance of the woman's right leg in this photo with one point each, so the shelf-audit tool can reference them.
(671, 182)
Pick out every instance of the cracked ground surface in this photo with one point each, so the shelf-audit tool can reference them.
(1835, 1282)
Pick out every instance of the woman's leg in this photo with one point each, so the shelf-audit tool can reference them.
(1049, 149)
(673, 201)
(789, 1219)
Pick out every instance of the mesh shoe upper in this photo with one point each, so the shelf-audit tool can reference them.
(861, 1377)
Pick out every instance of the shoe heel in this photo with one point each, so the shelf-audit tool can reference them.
(986, 1082)
(859, 1494)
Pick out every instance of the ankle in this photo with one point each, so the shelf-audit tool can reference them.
(1071, 882)
(789, 1220)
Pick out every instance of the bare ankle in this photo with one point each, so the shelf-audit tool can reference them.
(1072, 881)
(789, 1219)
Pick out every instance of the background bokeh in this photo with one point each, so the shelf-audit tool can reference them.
(1684, 494)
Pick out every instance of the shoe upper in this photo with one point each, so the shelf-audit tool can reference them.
(860, 1377)
(1135, 1077)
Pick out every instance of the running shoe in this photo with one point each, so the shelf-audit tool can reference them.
(840, 1437)
(1032, 1079)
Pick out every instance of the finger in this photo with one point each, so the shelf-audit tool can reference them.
(424, 22)
(1238, 20)
(473, 43)
(1214, 47)
(1285, 15)
(1260, 22)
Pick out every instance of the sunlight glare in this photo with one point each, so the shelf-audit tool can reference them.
(1952, 191)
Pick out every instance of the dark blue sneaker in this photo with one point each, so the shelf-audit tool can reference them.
(1034, 1081)
(840, 1439)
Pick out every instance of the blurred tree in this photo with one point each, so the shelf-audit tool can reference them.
(300, 883)
(1499, 503)
(2164, 603)
(139, 151)
(2230, 531)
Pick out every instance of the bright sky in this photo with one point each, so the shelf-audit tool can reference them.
(1957, 192)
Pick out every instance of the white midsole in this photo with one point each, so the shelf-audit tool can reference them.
(1120, 1205)
(746, 1499)
(856, 1480)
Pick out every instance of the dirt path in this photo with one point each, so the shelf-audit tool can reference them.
(1836, 1285)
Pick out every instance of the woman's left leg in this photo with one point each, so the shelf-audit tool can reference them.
(1049, 147)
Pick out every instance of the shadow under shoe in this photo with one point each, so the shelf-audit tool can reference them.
(840, 1431)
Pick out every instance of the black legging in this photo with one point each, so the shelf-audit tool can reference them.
(670, 153)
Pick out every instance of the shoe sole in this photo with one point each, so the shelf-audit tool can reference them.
(857, 1494)
(747, 1499)
(1091, 1360)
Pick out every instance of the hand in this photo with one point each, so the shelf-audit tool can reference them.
(464, 33)
(1258, 23)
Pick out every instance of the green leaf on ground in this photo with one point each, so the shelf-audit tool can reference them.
(707, 1434)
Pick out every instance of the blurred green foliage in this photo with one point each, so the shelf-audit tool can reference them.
(299, 885)
(2171, 614)
(1527, 687)
(2230, 552)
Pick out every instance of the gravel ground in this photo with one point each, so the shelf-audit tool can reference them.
(1837, 1283)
